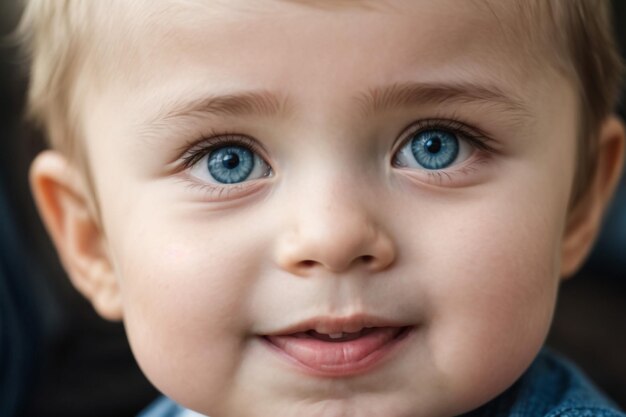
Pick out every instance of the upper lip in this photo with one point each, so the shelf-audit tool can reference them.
(338, 324)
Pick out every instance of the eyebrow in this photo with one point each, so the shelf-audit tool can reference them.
(389, 97)
(262, 103)
(375, 100)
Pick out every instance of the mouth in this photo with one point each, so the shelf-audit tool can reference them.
(339, 347)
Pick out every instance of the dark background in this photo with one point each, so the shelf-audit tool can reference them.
(66, 361)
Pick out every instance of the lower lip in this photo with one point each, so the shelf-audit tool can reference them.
(340, 359)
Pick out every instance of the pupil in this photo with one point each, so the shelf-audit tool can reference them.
(433, 145)
(230, 161)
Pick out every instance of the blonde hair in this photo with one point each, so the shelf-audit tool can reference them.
(584, 28)
(52, 35)
(58, 36)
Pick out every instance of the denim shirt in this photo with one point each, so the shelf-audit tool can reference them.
(551, 387)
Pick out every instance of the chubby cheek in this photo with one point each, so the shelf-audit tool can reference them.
(493, 279)
(184, 290)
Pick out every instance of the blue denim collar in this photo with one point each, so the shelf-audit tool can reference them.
(551, 387)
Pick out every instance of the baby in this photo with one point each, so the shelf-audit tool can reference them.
(330, 208)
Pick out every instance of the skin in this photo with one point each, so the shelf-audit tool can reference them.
(471, 256)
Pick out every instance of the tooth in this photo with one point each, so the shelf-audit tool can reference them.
(335, 335)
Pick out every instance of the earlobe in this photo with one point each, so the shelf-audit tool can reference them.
(585, 219)
(63, 202)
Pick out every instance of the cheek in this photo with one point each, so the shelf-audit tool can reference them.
(490, 277)
(185, 288)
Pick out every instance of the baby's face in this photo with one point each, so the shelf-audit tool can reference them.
(331, 210)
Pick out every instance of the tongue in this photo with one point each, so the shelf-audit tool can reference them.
(318, 353)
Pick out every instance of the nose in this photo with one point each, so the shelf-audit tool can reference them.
(334, 232)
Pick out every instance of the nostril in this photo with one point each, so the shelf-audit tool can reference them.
(368, 259)
(307, 263)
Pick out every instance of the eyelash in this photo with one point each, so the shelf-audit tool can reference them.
(198, 149)
(474, 136)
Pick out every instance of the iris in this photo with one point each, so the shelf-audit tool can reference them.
(230, 164)
(435, 149)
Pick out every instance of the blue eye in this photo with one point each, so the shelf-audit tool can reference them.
(435, 149)
(230, 164)
(432, 149)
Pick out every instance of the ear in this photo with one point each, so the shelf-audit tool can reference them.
(585, 219)
(62, 198)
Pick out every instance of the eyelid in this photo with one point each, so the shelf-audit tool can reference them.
(198, 149)
(473, 135)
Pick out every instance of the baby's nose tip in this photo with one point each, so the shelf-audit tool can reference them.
(302, 256)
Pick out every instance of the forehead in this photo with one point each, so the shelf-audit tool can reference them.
(230, 38)
(318, 57)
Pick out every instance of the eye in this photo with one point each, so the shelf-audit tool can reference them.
(433, 149)
(230, 164)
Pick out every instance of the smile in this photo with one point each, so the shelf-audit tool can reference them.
(339, 347)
